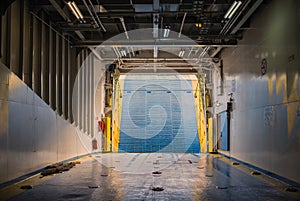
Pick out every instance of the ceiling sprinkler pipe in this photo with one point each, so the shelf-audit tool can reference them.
(102, 27)
(124, 27)
(90, 12)
(181, 26)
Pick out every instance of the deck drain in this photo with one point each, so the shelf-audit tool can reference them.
(221, 187)
(235, 163)
(104, 175)
(190, 161)
(156, 172)
(209, 175)
(26, 187)
(290, 189)
(255, 173)
(158, 188)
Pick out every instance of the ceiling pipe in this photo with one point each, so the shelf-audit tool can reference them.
(100, 23)
(117, 52)
(145, 45)
(96, 53)
(124, 27)
(166, 59)
(181, 26)
(91, 14)
(155, 18)
(132, 51)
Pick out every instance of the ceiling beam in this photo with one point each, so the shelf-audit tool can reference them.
(60, 10)
(131, 14)
(165, 71)
(151, 45)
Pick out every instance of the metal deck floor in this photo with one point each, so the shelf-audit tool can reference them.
(128, 176)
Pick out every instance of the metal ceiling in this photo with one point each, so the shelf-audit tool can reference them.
(201, 20)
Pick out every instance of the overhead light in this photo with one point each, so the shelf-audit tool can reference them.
(199, 25)
(123, 53)
(181, 53)
(166, 32)
(75, 10)
(233, 8)
(202, 54)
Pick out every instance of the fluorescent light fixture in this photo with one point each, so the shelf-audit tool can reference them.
(75, 10)
(117, 52)
(166, 33)
(123, 53)
(203, 52)
(233, 8)
(181, 53)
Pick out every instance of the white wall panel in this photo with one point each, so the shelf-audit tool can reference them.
(32, 135)
(265, 121)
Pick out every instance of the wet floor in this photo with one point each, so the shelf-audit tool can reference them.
(130, 177)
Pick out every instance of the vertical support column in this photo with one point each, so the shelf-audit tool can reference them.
(44, 62)
(3, 38)
(58, 74)
(88, 83)
(15, 43)
(62, 76)
(77, 118)
(85, 94)
(92, 95)
(8, 36)
(21, 18)
(36, 69)
(70, 80)
(65, 78)
(26, 61)
(81, 94)
(51, 63)
(107, 134)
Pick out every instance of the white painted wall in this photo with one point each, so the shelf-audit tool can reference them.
(32, 135)
(266, 119)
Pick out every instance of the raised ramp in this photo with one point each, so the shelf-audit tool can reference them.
(158, 115)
